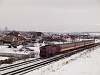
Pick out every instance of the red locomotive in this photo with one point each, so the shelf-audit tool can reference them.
(50, 50)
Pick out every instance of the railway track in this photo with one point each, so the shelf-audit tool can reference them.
(18, 64)
(19, 70)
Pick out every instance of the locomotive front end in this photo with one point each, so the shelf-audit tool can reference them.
(43, 52)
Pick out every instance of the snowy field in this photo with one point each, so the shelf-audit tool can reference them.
(84, 63)
(3, 58)
(5, 49)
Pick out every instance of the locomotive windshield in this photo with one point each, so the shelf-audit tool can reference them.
(42, 48)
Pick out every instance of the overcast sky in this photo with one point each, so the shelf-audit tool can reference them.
(50, 15)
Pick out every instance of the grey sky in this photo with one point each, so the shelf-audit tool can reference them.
(50, 15)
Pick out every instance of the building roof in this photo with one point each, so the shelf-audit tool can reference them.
(13, 33)
(7, 38)
(21, 38)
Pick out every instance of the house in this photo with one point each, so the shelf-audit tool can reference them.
(14, 33)
(35, 34)
(0, 39)
(13, 37)
(8, 39)
(21, 40)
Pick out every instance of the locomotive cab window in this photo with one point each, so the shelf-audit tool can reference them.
(43, 48)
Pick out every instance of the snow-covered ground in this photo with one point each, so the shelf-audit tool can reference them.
(96, 40)
(84, 63)
(5, 49)
(3, 58)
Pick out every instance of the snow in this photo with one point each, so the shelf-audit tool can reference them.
(84, 63)
(3, 58)
(36, 51)
(96, 41)
(5, 49)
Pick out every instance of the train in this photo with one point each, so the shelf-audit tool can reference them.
(54, 49)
